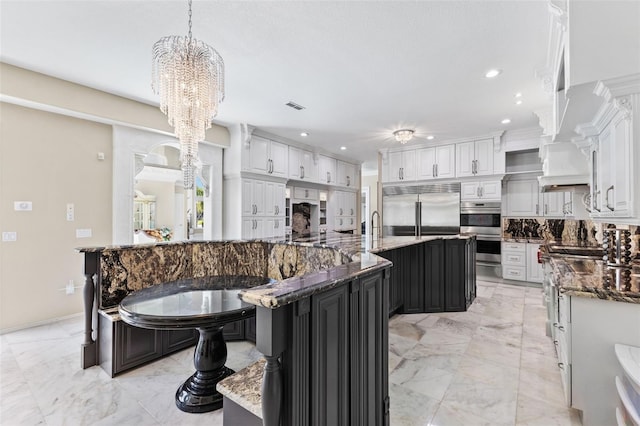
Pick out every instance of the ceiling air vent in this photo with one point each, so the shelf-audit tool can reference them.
(294, 105)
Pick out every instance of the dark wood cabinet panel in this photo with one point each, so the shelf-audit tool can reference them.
(329, 358)
(250, 329)
(233, 331)
(455, 277)
(175, 340)
(135, 346)
(412, 278)
(434, 289)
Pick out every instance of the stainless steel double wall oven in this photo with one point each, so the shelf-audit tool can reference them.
(483, 219)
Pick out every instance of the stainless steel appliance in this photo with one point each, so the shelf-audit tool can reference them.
(483, 219)
(421, 209)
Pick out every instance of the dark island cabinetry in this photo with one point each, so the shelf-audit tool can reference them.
(434, 276)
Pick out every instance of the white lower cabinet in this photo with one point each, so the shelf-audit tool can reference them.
(520, 262)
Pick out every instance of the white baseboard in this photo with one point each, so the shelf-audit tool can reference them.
(39, 323)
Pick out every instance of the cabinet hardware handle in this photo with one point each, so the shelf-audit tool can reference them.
(595, 201)
(606, 198)
(306, 193)
(537, 209)
(561, 365)
(255, 224)
(301, 172)
(546, 209)
(561, 328)
(555, 342)
(478, 192)
(348, 181)
(481, 191)
(437, 172)
(433, 170)
(341, 212)
(351, 214)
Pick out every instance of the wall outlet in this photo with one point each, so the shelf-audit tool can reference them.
(70, 287)
(83, 233)
(9, 236)
(70, 212)
(22, 206)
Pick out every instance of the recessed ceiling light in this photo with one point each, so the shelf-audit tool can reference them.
(493, 73)
(343, 148)
(430, 137)
(506, 121)
(519, 102)
(304, 134)
(518, 95)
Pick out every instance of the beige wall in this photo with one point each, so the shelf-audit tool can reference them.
(50, 160)
(372, 183)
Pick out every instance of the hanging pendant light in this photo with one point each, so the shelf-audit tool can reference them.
(188, 75)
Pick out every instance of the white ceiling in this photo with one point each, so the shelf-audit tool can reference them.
(362, 69)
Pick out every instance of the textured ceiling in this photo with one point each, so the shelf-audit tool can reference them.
(361, 69)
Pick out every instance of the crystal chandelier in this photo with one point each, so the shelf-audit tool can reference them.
(189, 77)
(403, 135)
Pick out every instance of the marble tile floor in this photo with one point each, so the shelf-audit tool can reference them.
(490, 365)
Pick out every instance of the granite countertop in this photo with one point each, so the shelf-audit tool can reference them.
(243, 387)
(523, 240)
(592, 278)
(362, 250)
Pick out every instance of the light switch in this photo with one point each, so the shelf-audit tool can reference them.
(70, 212)
(9, 236)
(83, 233)
(22, 206)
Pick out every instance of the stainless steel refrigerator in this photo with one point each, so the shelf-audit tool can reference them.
(421, 210)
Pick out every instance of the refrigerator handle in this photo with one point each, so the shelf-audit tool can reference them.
(418, 229)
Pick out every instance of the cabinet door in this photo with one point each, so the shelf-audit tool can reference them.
(522, 198)
(346, 174)
(330, 357)
(327, 169)
(248, 207)
(233, 331)
(426, 163)
(408, 165)
(553, 204)
(258, 196)
(413, 280)
(135, 346)
(534, 269)
(434, 276)
(269, 198)
(349, 203)
(259, 155)
(454, 275)
(279, 198)
(484, 157)
(279, 156)
(491, 190)
(309, 166)
(621, 161)
(278, 227)
(469, 191)
(175, 340)
(248, 225)
(445, 161)
(465, 155)
(394, 167)
(295, 163)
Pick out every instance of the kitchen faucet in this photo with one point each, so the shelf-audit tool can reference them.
(374, 214)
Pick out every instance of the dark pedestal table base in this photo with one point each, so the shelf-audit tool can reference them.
(198, 393)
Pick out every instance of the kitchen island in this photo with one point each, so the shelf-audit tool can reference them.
(321, 323)
(593, 308)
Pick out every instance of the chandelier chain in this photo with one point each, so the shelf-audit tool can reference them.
(189, 21)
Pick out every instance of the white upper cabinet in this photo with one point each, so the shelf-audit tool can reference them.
(523, 198)
(474, 158)
(346, 174)
(327, 169)
(253, 197)
(436, 163)
(302, 165)
(400, 166)
(268, 157)
(483, 190)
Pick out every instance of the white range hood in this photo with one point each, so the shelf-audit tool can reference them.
(564, 168)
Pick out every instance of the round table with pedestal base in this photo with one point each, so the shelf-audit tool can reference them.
(206, 304)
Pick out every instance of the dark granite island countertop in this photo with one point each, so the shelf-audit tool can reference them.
(360, 248)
